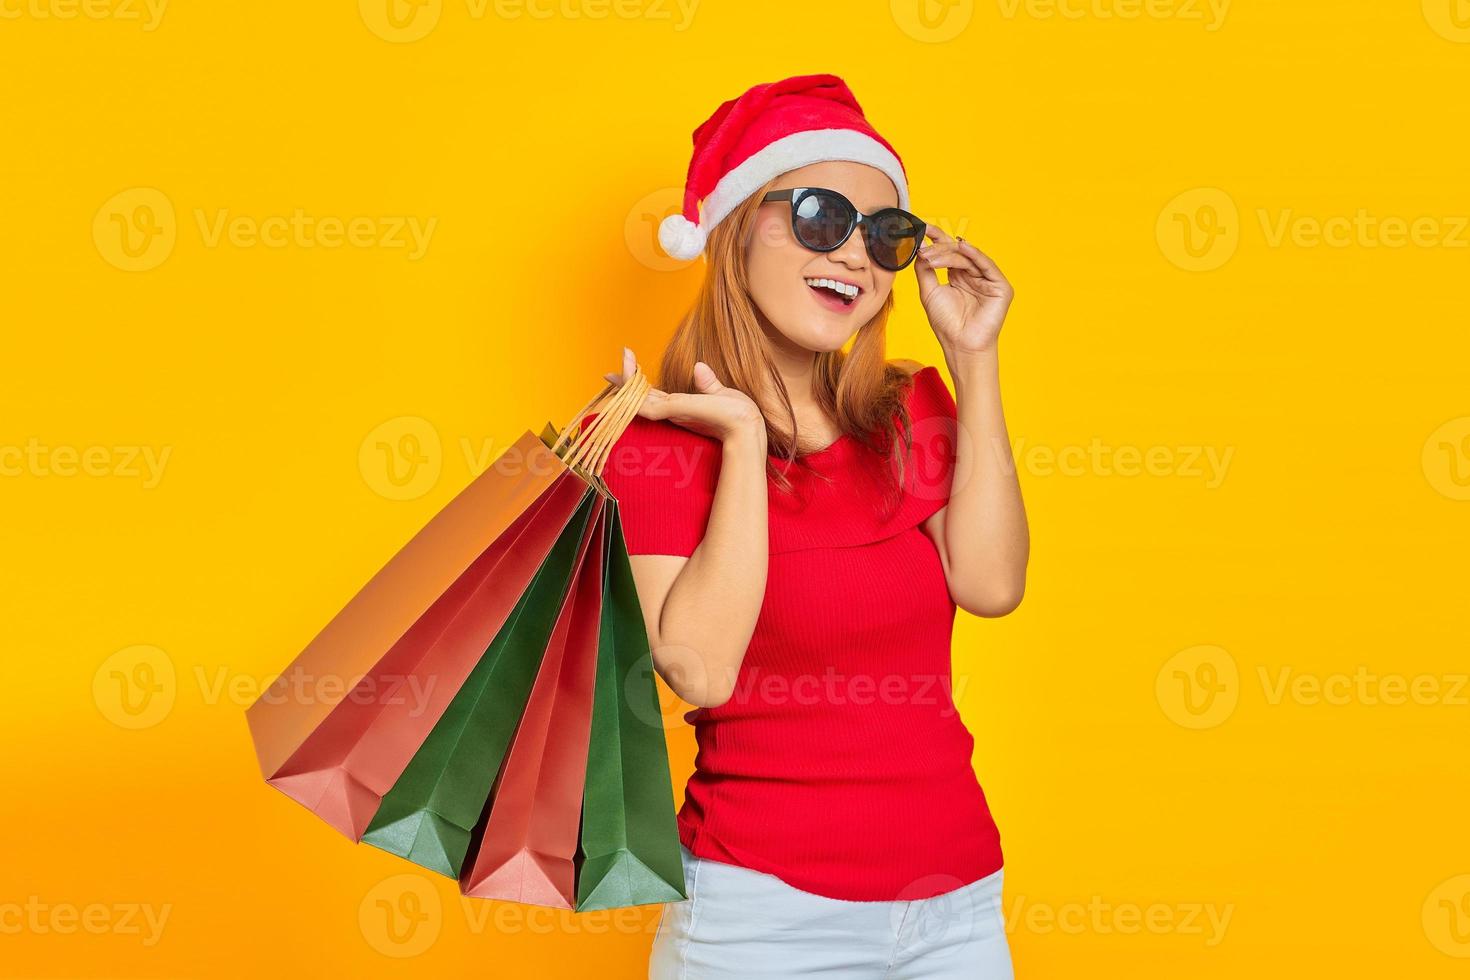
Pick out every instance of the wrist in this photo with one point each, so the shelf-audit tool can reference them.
(747, 440)
(968, 362)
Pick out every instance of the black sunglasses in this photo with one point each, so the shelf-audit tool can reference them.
(822, 220)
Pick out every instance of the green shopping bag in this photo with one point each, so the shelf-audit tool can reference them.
(431, 813)
(629, 847)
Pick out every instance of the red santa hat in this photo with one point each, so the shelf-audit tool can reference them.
(772, 128)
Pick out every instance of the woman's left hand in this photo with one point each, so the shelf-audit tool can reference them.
(967, 312)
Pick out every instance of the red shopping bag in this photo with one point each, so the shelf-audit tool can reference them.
(437, 615)
(364, 745)
(527, 850)
(349, 687)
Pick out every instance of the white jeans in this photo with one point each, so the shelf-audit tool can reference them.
(739, 924)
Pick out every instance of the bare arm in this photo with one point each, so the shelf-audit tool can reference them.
(701, 610)
(981, 533)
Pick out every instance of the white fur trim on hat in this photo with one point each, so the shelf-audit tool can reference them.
(680, 237)
(790, 152)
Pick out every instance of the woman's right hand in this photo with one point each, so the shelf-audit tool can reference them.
(711, 410)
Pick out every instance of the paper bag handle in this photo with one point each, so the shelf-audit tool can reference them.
(616, 406)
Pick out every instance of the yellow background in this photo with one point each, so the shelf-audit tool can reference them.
(1140, 755)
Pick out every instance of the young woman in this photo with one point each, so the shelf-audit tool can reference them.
(804, 518)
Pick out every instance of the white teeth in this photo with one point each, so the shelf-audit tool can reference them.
(841, 287)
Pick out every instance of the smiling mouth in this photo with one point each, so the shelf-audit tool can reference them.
(846, 294)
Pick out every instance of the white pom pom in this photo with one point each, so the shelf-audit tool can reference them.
(680, 237)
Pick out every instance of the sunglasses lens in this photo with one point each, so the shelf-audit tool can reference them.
(894, 239)
(822, 221)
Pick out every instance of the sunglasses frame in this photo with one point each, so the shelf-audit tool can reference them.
(796, 195)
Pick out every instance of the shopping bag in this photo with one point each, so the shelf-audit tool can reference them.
(512, 613)
(308, 722)
(629, 852)
(366, 742)
(431, 811)
(582, 813)
(527, 849)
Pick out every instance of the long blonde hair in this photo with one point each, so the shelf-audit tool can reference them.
(858, 388)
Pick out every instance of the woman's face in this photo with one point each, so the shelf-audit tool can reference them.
(781, 268)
